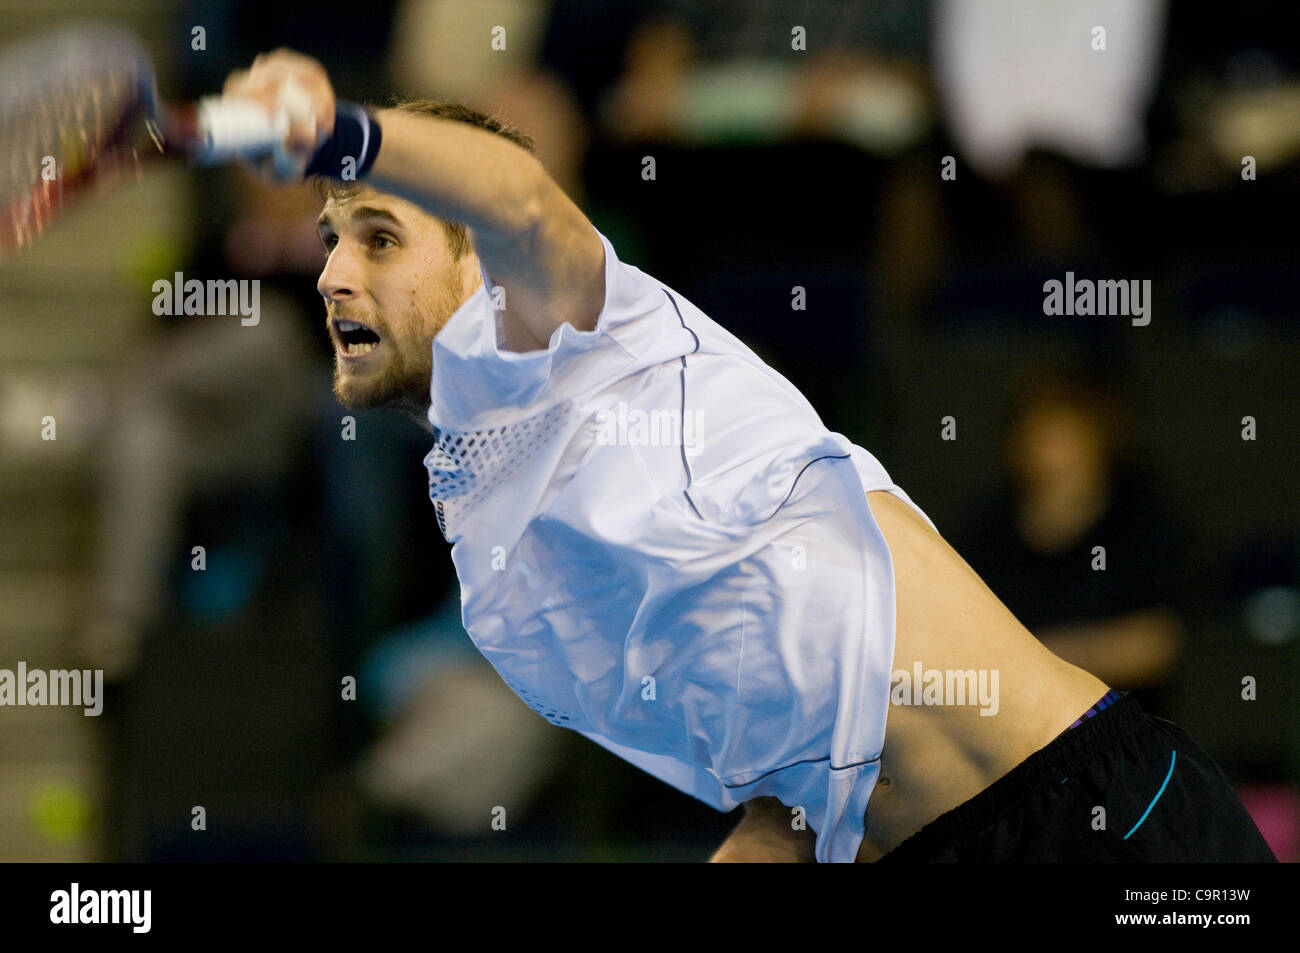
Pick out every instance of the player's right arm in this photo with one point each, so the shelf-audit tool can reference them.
(531, 238)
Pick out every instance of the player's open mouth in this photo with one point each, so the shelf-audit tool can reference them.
(354, 339)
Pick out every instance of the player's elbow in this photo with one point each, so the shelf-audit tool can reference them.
(533, 202)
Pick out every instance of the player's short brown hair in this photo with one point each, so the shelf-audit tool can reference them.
(457, 236)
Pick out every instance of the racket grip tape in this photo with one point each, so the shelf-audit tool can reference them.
(350, 150)
(232, 127)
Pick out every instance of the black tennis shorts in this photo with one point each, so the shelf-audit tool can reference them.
(1122, 786)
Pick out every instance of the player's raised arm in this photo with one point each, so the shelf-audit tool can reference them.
(531, 239)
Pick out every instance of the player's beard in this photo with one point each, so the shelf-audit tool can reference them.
(403, 382)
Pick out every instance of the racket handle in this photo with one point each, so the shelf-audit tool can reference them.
(237, 128)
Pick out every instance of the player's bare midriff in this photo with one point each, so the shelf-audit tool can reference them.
(936, 756)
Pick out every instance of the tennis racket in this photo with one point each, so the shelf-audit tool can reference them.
(80, 107)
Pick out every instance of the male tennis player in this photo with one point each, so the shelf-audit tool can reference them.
(661, 546)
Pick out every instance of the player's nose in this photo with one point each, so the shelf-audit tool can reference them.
(341, 276)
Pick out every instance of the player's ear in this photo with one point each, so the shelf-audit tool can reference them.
(470, 274)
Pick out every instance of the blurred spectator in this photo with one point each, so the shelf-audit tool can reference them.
(709, 70)
(1021, 73)
(208, 405)
(487, 55)
(1071, 490)
(1047, 102)
(1229, 88)
(209, 616)
(456, 742)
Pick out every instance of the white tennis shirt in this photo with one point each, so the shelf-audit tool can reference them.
(661, 546)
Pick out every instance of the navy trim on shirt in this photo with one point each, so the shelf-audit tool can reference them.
(685, 463)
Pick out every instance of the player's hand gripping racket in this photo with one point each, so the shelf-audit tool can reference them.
(80, 107)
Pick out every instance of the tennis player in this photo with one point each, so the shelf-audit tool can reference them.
(661, 546)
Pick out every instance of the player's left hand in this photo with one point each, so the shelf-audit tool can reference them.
(300, 87)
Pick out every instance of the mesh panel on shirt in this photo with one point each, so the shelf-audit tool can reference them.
(466, 466)
(554, 715)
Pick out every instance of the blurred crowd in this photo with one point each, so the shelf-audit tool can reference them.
(920, 168)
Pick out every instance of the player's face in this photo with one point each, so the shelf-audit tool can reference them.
(390, 283)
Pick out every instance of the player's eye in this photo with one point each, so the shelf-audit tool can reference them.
(329, 241)
(383, 238)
